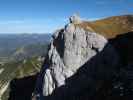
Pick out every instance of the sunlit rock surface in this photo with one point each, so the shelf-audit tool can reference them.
(77, 60)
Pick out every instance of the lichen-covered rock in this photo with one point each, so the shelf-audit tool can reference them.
(72, 49)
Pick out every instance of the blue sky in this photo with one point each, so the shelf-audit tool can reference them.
(44, 16)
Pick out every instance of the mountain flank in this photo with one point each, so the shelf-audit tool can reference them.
(110, 27)
(86, 61)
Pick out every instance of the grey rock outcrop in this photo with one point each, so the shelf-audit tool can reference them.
(75, 19)
(74, 50)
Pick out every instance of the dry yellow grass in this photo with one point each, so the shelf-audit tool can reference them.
(110, 27)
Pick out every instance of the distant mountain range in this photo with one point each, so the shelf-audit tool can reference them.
(24, 45)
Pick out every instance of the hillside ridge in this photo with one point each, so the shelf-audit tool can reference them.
(110, 27)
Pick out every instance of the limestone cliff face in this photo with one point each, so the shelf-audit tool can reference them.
(77, 60)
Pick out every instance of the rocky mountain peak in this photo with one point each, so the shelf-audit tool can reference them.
(71, 54)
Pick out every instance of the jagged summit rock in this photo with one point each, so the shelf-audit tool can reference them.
(75, 19)
(75, 52)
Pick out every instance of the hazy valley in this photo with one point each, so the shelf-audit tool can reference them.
(20, 56)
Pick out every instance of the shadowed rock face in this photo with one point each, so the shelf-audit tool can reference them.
(97, 79)
(22, 89)
(77, 64)
(123, 44)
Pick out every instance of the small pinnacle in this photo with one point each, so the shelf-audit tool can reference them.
(75, 19)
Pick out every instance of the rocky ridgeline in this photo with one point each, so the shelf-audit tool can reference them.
(79, 65)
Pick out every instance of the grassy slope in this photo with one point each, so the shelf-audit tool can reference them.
(18, 70)
(110, 27)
